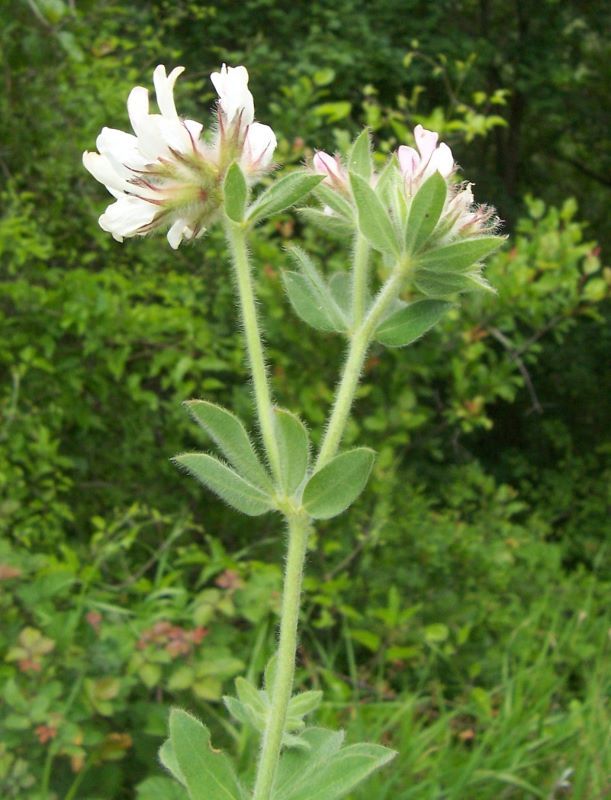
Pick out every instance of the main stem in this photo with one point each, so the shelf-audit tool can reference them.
(353, 367)
(237, 242)
(298, 526)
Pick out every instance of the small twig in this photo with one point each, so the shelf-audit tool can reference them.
(515, 356)
(539, 334)
(345, 562)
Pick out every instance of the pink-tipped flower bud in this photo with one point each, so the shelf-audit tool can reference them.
(332, 168)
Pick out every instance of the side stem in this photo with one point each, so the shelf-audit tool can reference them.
(359, 345)
(298, 527)
(237, 243)
(360, 271)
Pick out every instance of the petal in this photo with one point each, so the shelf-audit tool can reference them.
(194, 128)
(120, 144)
(231, 84)
(174, 134)
(138, 107)
(442, 161)
(177, 230)
(146, 126)
(164, 89)
(324, 164)
(259, 145)
(104, 172)
(409, 160)
(426, 142)
(126, 216)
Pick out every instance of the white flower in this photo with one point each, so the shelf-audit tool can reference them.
(462, 217)
(258, 149)
(231, 85)
(154, 174)
(418, 165)
(164, 174)
(240, 138)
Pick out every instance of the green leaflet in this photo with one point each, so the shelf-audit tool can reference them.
(440, 284)
(230, 436)
(373, 219)
(283, 194)
(411, 322)
(251, 705)
(304, 703)
(227, 484)
(249, 695)
(359, 157)
(459, 256)
(208, 773)
(296, 766)
(310, 297)
(168, 760)
(330, 197)
(424, 212)
(235, 191)
(340, 284)
(331, 224)
(388, 181)
(337, 485)
(306, 302)
(293, 449)
(160, 789)
(325, 769)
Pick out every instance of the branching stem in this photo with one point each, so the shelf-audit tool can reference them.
(357, 351)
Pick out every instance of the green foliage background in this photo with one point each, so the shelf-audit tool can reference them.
(458, 611)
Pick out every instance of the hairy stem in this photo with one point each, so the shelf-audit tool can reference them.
(359, 345)
(237, 243)
(298, 527)
(360, 271)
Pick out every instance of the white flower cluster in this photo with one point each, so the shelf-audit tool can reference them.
(166, 173)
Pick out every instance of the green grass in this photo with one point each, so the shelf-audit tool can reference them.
(542, 731)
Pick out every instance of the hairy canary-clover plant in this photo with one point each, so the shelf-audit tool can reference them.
(427, 239)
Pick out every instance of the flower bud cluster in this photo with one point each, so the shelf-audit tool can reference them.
(167, 174)
(461, 216)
